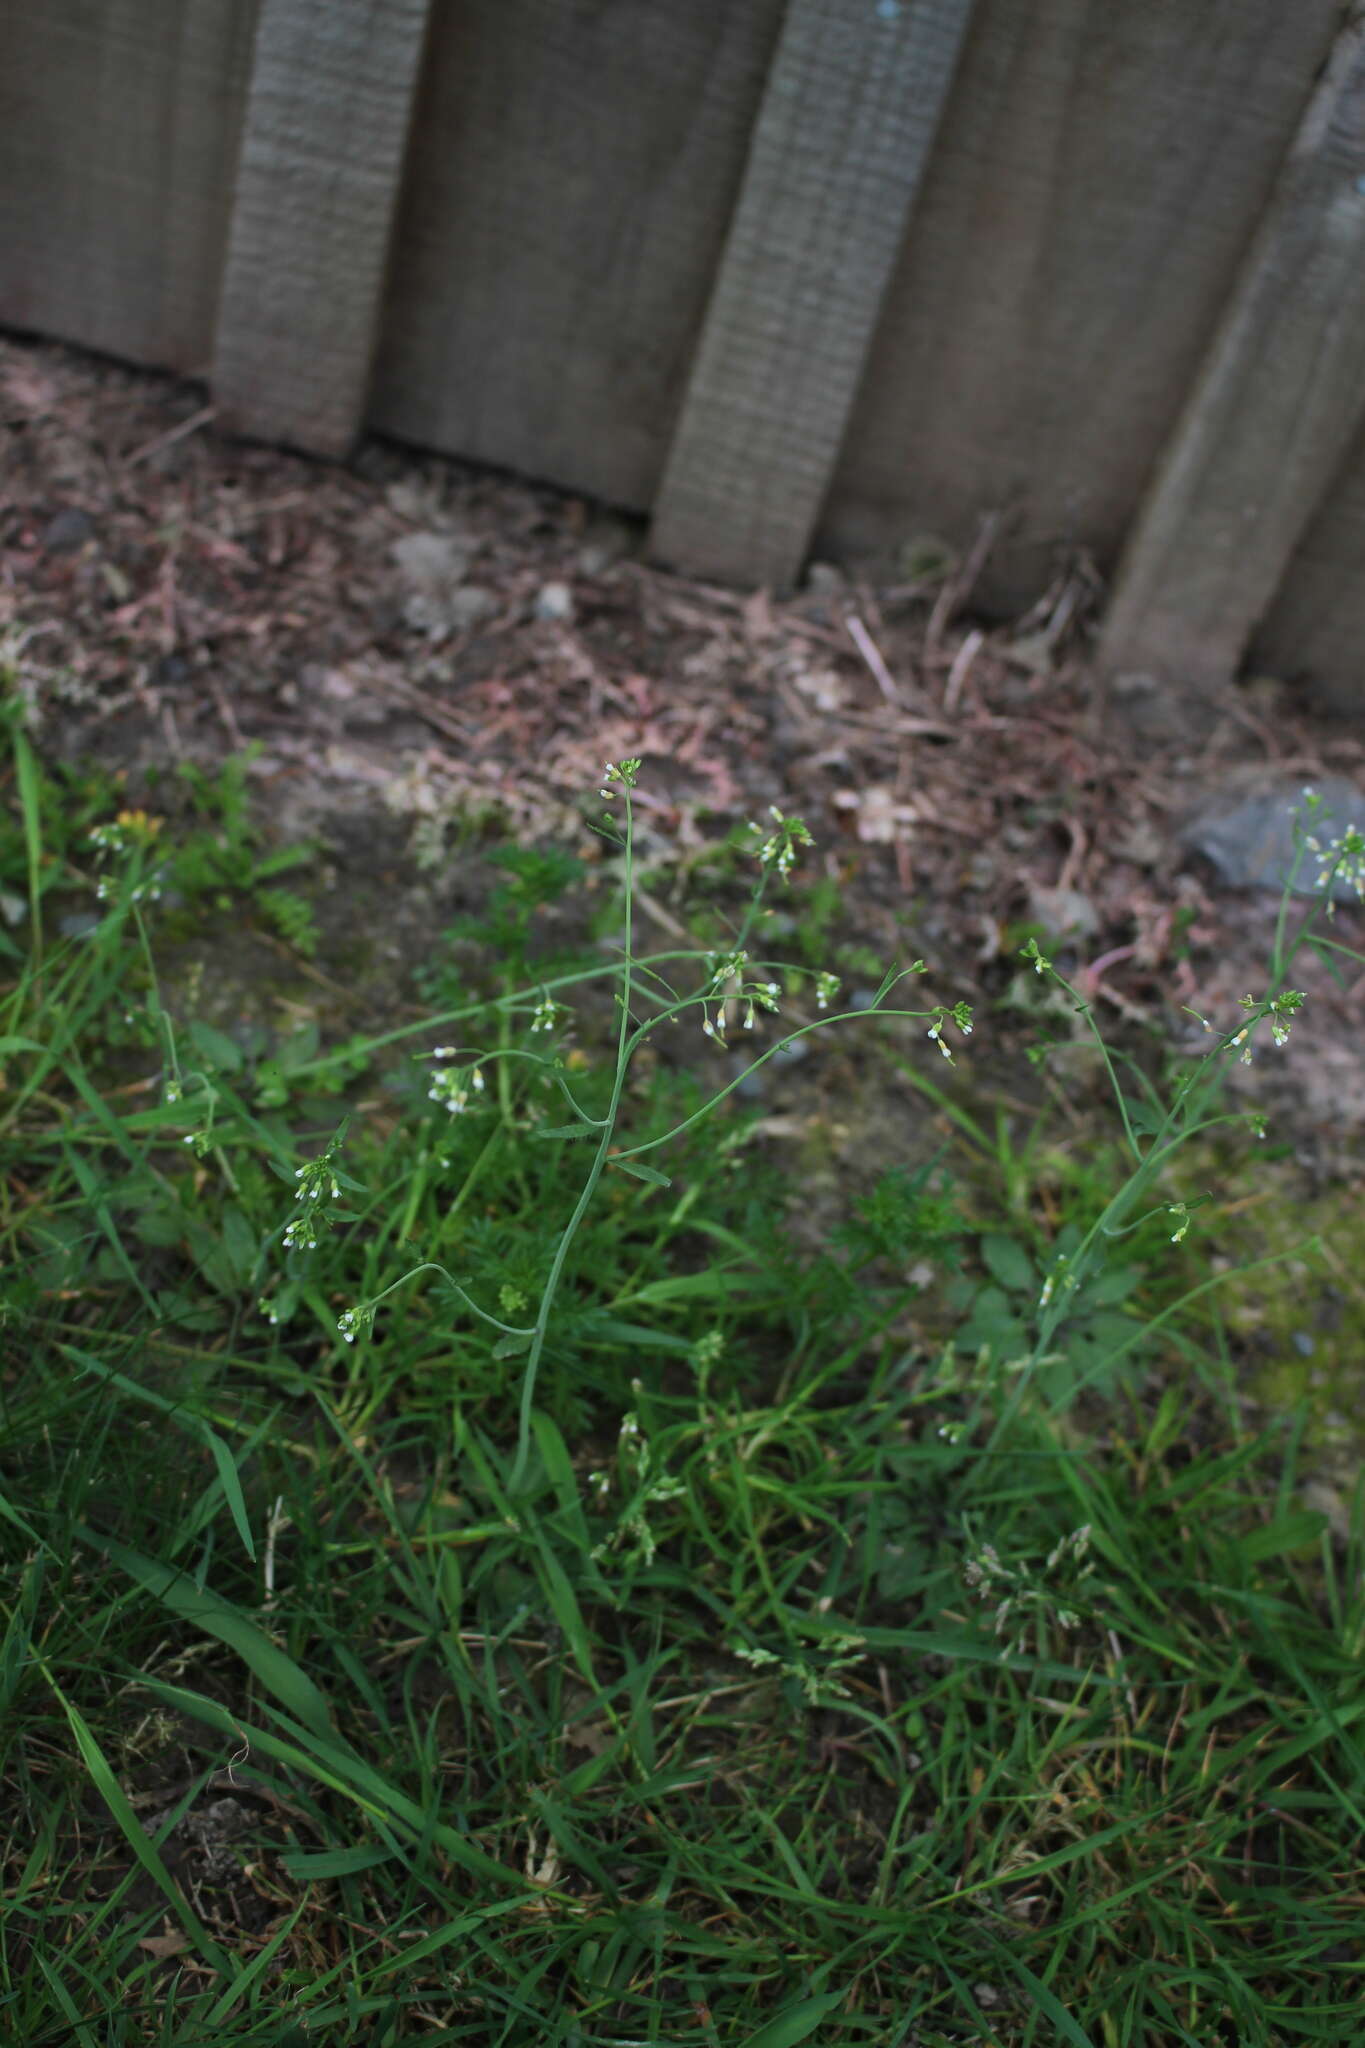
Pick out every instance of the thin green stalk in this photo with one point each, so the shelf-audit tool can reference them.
(30, 803)
(428, 1026)
(804, 1031)
(570, 1231)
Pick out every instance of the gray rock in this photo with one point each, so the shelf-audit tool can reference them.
(1250, 839)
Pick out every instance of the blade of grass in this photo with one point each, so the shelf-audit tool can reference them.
(193, 1426)
(216, 1617)
(139, 1842)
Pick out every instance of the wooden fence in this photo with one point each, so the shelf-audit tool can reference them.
(782, 274)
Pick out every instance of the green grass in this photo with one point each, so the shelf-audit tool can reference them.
(770, 1673)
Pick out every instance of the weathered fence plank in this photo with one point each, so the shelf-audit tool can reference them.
(852, 105)
(1275, 407)
(1314, 632)
(118, 133)
(327, 120)
(572, 170)
(1097, 178)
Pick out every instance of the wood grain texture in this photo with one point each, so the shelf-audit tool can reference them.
(573, 167)
(1099, 172)
(327, 120)
(119, 126)
(852, 104)
(1280, 396)
(1314, 632)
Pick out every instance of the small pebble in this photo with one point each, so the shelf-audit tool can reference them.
(67, 530)
(555, 601)
(470, 606)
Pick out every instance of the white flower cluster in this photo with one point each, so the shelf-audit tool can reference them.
(778, 845)
(547, 1014)
(1280, 1009)
(317, 1186)
(353, 1322)
(725, 983)
(451, 1086)
(1339, 859)
(114, 838)
(129, 831)
(149, 891)
(826, 989)
(961, 1015)
(622, 772)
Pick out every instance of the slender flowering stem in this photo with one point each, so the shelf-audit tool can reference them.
(1183, 1120)
(570, 1231)
(803, 1031)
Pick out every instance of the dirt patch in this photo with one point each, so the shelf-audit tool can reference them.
(417, 646)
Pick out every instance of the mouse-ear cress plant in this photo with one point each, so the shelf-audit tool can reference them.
(732, 989)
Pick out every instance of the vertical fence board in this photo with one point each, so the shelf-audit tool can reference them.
(1314, 632)
(1279, 398)
(1098, 175)
(572, 169)
(327, 119)
(847, 122)
(119, 126)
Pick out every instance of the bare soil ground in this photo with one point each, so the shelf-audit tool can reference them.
(411, 641)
